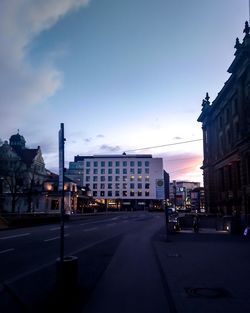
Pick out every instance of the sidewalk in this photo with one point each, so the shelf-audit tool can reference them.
(206, 272)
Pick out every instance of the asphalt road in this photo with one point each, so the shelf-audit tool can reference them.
(25, 250)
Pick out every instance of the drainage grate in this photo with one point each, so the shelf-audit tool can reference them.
(212, 293)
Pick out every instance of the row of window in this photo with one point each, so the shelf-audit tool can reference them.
(117, 163)
(123, 186)
(103, 171)
(117, 193)
(115, 178)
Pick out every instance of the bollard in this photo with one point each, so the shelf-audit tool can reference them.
(67, 274)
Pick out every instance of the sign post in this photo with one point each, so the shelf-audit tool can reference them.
(61, 187)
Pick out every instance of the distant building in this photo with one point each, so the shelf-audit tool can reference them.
(226, 139)
(180, 193)
(76, 170)
(22, 172)
(132, 182)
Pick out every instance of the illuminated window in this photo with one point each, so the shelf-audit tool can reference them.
(132, 193)
(102, 193)
(147, 193)
(132, 178)
(139, 178)
(146, 178)
(139, 193)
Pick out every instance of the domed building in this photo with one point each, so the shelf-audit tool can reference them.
(22, 172)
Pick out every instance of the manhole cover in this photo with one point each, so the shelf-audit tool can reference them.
(207, 292)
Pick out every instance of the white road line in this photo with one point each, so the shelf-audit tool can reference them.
(58, 227)
(55, 238)
(14, 236)
(90, 229)
(7, 250)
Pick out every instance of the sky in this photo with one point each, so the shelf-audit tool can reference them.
(120, 74)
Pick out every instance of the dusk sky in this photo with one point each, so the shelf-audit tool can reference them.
(120, 74)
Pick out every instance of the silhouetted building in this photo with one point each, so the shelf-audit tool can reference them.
(226, 139)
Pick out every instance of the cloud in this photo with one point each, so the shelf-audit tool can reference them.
(21, 84)
(177, 138)
(88, 139)
(100, 136)
(109, 148)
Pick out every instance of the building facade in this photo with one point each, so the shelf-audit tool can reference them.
(226, 139)
(131, 182)
(180, 193)
(22, 172)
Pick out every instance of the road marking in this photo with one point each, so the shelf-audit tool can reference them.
(15, 236)
(7, 250)
(55, 238)
(58, 227)
(90, 229)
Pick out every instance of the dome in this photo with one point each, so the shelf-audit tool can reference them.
(17, 141)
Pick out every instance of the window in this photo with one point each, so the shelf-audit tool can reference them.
(88, 171)
(117, 171)
(117, 193)
(132, 193)
(132, 178)
(103, 171)
(117, 163)
(146, 178)
(124, 186)
(110, 193)
(87, 164)
(139, 178)
(132, 186)
(147, 186)
(124, 193)
(94, 178)
(132, 171)
(95, 193)
(139, 164)
(146, 163)
(132, 163)
(146, 170)
(109, 178)
(117, 178)
(139, 171)
(110, 164)
(109, 186)
(146, 193)
(139, 185)
(124, 178)
(102, 163)
(102, 178)
(95, 171)
(110, 170)
(124, 171)
(124, 163)
(102, 193)
(102, 186)
(117, 186)
(139, 193)
(87, 178)
(95, 163)
(94, 186)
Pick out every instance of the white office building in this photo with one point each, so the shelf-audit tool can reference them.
(124, 181)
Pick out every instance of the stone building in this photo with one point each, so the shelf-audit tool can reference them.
(226, 139)
(22, 172)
